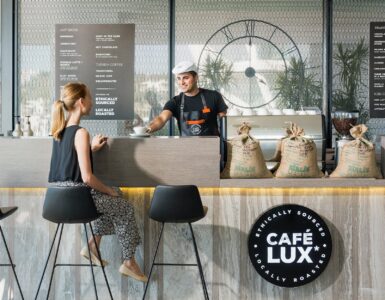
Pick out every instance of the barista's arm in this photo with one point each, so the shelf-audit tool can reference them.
(222, 114)
(221, 106)
(159, 121)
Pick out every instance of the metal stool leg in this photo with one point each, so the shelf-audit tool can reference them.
(54, 261)
(104, 271)
(206, 295)
(46, 263)
(11, 263)
(153, 261)
(91, 265)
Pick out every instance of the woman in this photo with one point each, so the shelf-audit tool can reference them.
(71, 165)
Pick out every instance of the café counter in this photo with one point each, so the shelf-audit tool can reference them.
(354, 211)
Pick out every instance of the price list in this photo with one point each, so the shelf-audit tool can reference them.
(377, 70)
(101, 56)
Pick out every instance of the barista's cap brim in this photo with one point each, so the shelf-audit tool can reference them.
(184, 67)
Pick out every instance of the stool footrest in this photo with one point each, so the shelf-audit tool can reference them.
(7, 265)
(75, 265)
(169, 264)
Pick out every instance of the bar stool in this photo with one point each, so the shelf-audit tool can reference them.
(4, 213)
(177, 204)
(70, 205)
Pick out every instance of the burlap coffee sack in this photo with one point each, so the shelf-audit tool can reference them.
(358, 157)
(278, 153)
(244, 157)
(299, 155)
(277, 156)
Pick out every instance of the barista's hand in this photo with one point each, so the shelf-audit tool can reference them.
(98, 142)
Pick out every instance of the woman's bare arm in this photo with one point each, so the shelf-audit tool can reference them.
(82, 146)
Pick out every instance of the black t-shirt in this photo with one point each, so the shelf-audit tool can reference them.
(213, 100)
(64, 159)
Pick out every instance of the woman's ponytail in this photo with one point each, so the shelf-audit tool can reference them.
(58, 121)
(71, 92)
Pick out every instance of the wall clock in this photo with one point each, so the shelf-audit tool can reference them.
(242, 59)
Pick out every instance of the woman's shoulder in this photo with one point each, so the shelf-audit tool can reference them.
(81, 133)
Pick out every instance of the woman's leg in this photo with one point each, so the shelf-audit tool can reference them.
(94, 243)
(119, 218)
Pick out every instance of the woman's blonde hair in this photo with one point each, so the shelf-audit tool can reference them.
(72, 91)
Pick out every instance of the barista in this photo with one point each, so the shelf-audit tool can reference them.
(196, 109)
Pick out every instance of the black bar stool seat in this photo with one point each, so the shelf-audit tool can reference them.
(177, 204)
(7, 211)
(4, 213)
(70, 205)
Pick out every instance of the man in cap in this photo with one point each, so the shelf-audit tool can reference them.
(196, 109)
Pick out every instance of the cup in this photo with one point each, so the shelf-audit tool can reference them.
(248, 112)
(276, 112)
(233, 112)
(311, 112)
(262, 112)
(288, 111)
(301, 112)
(140, 130)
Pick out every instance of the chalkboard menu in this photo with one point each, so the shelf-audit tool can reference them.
(101, 56)
(377, 70)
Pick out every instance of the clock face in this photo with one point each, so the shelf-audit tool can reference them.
(243, 60)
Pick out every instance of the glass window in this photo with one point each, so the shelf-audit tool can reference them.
(36, 68)
(257, 46)
(1, 81)
(248, 50)
(351, 26)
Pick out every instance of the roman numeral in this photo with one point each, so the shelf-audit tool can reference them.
(250, 27)
(228, 34)
(271, 36)
(288, 51)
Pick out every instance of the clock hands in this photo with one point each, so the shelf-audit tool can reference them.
(268, 50)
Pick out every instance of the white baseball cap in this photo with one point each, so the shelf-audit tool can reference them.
(183, 67)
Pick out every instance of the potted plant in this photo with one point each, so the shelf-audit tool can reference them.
(350, 95)
(298, 86)
(216, 74)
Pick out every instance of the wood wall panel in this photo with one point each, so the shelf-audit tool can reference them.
(355, 216)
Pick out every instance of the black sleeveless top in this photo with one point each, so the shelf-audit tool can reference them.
(64, 159)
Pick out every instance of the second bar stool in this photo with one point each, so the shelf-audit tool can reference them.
(70, 205)
(5, 212)
(177, 204)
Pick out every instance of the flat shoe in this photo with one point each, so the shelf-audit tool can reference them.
(127, 272)
(94, 258)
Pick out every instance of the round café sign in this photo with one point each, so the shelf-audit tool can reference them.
(290, 245)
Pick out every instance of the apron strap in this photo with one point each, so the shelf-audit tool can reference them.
(181, 108)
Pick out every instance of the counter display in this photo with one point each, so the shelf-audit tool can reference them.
(355, 217)
(354, 211)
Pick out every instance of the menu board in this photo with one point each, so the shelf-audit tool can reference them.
(377, 70)
(101, 56)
